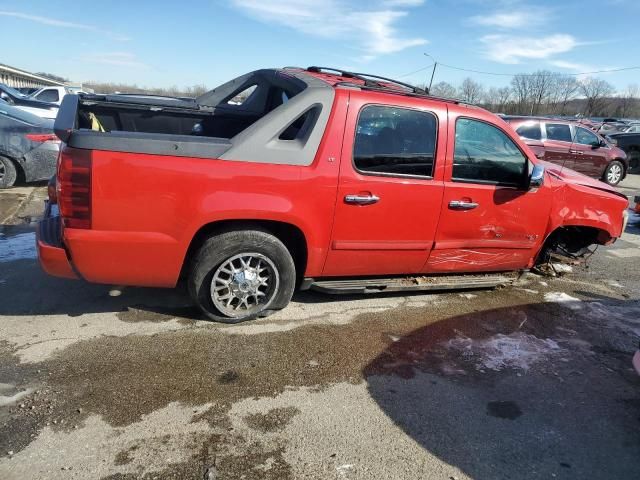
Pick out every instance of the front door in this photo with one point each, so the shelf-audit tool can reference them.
(390, 187)
(590, 158)
(489, 220)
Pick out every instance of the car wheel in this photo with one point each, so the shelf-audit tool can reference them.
(614, 172)
(241, 275)
(8, 173)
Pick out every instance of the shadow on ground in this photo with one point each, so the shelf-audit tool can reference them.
(505, 393)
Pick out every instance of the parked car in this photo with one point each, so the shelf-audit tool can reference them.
(321, 179)
(573, 146)
(636, 361)
(53, 94)
(630, 143)
(28, 147)
(35, 107)
(631, 128)
(611, 127)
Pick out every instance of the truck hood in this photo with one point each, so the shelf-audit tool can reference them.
(574, 178)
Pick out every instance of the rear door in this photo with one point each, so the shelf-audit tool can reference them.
(590, 157)
(490, 221)
(390, 187)
(558, 141)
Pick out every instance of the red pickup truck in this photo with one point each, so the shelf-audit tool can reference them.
(307, 178)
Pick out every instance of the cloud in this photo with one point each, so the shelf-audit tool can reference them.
(513, 49)
(118, 59)
(577, 67)
(53, 22)
(372, 31)
(505, 20)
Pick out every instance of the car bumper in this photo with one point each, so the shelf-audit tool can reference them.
(51, 252)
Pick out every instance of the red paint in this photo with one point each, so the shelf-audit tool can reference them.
(142, 211)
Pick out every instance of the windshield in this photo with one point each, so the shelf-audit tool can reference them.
(12, 91)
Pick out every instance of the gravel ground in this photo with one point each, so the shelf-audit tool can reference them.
(531, 381)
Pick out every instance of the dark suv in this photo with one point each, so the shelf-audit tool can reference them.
(573, 146)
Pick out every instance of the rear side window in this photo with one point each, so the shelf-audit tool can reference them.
(395, 141)
(48, 96)
(530, 130)
(485, 154)
(558, 131)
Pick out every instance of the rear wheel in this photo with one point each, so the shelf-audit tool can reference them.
(8, 173)
(614, 172)
(240, 275)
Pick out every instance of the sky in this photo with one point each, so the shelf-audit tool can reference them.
(164, 43)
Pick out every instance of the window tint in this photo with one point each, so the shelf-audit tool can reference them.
(395, 141)
(48, 96)
(585, 137)
(530, 130)
(558, 131)
(485, 154)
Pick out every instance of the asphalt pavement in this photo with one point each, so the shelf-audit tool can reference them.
(533, 381)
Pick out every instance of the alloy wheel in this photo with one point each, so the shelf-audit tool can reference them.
(614, 174)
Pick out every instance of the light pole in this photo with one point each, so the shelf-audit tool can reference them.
(433, 72)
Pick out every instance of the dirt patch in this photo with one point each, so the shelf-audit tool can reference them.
(272, 421)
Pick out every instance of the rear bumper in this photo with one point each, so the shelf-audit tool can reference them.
(51, 253)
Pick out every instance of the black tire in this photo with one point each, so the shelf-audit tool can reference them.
(8, 173)
(217, 250)
(616, 166)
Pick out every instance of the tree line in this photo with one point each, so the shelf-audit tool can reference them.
(548, 93)
(175, 91)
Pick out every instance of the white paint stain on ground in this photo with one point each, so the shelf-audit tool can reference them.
(516, 350)
(561, 297)
(17, 247)
(562, 268)
(468, 296)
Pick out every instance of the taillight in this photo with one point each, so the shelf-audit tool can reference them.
(74, 187)
(42, 137)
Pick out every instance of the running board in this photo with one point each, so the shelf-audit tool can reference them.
(408, 284)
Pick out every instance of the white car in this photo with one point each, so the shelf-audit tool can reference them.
(53, 94)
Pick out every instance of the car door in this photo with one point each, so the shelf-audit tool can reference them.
(590, 157)
(390, 186)
(557, 144)
(490, 220)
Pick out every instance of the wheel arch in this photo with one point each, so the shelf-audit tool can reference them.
(289, 234)
(20, 172)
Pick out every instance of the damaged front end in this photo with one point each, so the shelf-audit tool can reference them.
(568, 247)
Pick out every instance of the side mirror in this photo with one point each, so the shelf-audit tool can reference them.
(537, 177)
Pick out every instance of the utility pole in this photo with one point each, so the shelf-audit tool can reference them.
(433, 72)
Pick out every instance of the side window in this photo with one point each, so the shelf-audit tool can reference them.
(395, 141)
(241, 97)
(485, 154)
(585, 137)
(558, 131)
(530, 130)
(48, 96)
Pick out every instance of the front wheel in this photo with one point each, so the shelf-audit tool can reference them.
(240, 275)
(613, 173)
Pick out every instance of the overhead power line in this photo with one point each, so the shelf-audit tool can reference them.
(501, 74)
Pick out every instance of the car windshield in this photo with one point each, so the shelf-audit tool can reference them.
(12, 91)
(13, 112)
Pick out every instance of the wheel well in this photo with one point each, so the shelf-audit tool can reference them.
(289, 234)
(21, 176)
(571, 241)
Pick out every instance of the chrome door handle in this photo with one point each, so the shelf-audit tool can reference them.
(462, 205)
(577, 152)
(361, 199)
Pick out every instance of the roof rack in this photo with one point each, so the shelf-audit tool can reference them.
(370, 83)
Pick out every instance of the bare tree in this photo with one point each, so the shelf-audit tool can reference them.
(471, 91)
(522, 92)
(443, 89)
(629, 99)
(564, 89)
(595, 92)
(540, 83)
